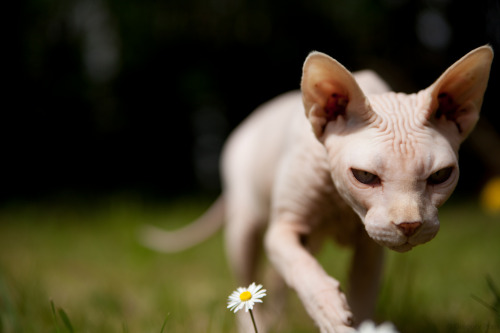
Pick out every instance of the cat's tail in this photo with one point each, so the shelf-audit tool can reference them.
(178, 240)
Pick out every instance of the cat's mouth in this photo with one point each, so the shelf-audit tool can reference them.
(402, 247)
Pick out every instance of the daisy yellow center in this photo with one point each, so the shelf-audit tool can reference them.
(245, 296)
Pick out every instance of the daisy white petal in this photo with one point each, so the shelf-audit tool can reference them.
(246, 297)
(369, 326)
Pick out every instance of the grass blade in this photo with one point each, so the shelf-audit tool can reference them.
(164, 324)
(496, 305)
(54, 315)
(66, 321)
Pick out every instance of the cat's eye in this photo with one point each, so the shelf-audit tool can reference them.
(365, 177)
(440, 176)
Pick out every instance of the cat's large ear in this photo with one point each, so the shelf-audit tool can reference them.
(458, 94)
(331, 94)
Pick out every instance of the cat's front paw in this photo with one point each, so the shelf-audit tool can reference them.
(329, 309)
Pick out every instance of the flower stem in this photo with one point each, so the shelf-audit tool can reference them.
(253, 321)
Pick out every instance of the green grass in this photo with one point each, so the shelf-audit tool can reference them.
(68, 266)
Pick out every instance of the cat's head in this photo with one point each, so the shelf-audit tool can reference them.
(394, 157)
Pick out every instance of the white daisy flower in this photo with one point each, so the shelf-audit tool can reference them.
(245, 297)
(369, 326)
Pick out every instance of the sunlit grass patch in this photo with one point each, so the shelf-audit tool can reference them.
(89, 262)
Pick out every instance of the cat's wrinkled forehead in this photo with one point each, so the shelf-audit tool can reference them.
(401, 119)
(400, 107)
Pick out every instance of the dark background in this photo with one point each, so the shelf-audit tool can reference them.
(106, 96)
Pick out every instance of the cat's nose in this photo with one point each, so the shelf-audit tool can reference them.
(409, 228)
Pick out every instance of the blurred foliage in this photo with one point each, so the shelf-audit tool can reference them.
(110, 95)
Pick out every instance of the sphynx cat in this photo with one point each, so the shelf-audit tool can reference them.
(346, 159)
